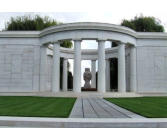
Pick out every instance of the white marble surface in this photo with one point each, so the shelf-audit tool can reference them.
(152, 69)
(56, 68)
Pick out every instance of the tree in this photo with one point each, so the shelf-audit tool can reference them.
(32, 23)
(144, 24)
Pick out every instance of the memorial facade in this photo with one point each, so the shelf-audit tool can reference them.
(29, 64)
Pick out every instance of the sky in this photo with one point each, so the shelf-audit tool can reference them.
(67, 11)
(68, 17)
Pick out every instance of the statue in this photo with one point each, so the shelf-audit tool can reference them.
(87, 77)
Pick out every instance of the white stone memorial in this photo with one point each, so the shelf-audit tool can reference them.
(28, 63)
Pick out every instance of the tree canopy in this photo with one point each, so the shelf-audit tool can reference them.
(33, 23)
(144, 24)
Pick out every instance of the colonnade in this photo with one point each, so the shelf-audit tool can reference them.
(103, 69)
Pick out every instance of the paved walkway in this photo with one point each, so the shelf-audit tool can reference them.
(99, 108)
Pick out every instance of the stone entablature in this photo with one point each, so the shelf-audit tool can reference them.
(83, 31)
(86, 53)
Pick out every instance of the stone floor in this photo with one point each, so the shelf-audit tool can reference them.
(72, 94)
(99, 108)
(82, 94)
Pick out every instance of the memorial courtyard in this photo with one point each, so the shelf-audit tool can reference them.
(34, 77)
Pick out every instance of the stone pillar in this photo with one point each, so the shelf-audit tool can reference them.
(43, 67)
(77, 66)
(121, 69)
(65, 74)
(101, 66)
(93, 70)
(111, 44)
(107, 75)
(56, 68)
(133, 69)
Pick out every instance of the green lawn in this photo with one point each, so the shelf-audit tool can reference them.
(152, 107)
(35, 106)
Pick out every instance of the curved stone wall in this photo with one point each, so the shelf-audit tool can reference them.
(23, 63)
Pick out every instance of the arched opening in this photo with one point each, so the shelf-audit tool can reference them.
(88, 65)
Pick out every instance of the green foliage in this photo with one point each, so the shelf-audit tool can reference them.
(35, 23)
(30, 23)
(144, 24)
(66, 44)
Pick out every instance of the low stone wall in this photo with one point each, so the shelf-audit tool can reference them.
(82, 123)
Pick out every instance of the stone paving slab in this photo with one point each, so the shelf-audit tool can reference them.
(88, 110)
(101, 113)
(113, 111)
(122, 110)
(99, 108)
(77, 109)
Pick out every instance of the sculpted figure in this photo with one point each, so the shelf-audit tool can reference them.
(87, 77)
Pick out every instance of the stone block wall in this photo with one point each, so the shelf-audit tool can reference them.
(19, 68)
(152, 69)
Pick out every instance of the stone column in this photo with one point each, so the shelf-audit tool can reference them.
(56, 68)
(107, 75)
(65, 74)
(121, 69)
(101, 66)
(43, 67)
(93, 70)
(111, 44)
(77, 66)
(133, 69)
